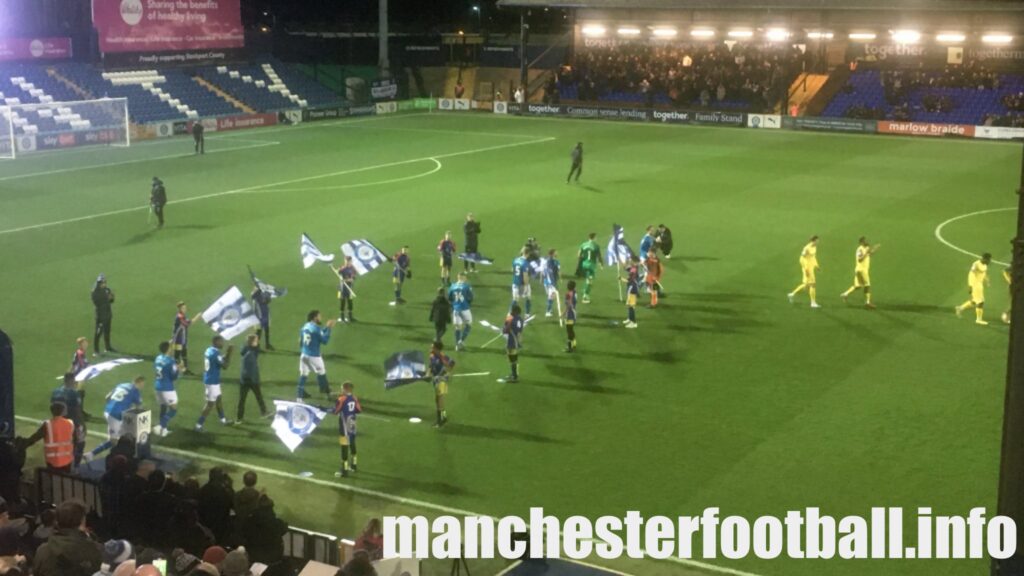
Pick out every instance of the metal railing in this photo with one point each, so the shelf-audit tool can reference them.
(52, 488)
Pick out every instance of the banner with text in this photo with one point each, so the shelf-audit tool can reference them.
(167, 25)
(384, 89)
(998, 132)
(240, 122)
(12, 49)
(829, 124)
(925, 129)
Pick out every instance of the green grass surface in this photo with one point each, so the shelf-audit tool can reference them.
(725, 396)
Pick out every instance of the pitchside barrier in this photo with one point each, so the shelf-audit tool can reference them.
(52, 488)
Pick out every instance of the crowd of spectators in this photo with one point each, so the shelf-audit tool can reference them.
(149, 517)
(687, 74)
(897, 85)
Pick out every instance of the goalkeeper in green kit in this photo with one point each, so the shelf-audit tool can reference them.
(589, 260)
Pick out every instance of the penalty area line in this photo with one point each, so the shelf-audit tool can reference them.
(263, 144)
(251, 189)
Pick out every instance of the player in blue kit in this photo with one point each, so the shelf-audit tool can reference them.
(214, 362)
(347, 407)
(461, 297)
(521, 282)
(166, 373)
(311, 337)
(447, 250)
(401, 273)
(513, 331)
(440, 367)
(646, 243)
(570, 315)
(550, 275)
(123, 397)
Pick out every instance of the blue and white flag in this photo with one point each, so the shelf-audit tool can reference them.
(311, 254)
(404, 368)
(618, 251)
(476, 258)
(365, 256)
(231, 314)
(95, 370)
(294, 421)
(274, 291)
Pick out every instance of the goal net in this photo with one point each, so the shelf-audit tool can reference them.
(39, 127)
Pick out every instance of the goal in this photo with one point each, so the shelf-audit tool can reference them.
(39, 127)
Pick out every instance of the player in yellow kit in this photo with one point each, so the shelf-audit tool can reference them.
(862, 271)
(1009, 284)
(808, 266)
(977, 279)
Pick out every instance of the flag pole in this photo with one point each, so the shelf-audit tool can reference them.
(618, 277)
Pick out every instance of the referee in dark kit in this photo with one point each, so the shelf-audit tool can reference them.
(197, 133)
(577, 162)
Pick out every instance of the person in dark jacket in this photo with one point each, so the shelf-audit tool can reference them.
(113, 491)
(216, 501)
(440, 314)
(261, 304)
(263, 532)
(251, 377)
(471, 229)
(153, 510)
(663, 237)
(69, 551)
(102, 300)
(157, 200)
(577, 163)
(197, 134)
(186, 532)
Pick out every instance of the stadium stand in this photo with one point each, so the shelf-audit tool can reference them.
(960, 95)
(34, 85)
(270, 86)
(153, 96)
(741, 77)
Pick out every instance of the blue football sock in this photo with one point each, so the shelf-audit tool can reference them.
(465, 332)
(551, 303)
(528, 303)
(202, 420)
(321, 380)
(632, 314)
(458, 335)
(302, 385)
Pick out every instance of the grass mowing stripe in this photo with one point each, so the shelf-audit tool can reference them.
(282, 183)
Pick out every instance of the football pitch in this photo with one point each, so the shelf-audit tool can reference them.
(726, 395)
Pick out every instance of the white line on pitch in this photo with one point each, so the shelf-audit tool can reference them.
(437, 131)
(938, 231)
(273, 184)
(471, 374)
(437, 167)
(133, 161)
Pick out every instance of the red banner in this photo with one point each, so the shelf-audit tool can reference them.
(34, 49)
(164, 25)
(925, 129)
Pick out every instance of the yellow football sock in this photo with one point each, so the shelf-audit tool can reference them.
(979, 312)
(867, 298)
(849, 291)
(966, 305)
(798, 289)
(814, 293)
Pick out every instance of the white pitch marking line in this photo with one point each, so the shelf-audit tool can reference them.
(938, 231)
(283, 183)
(470, 374)
(382, 496)
(437, 167)
(133, 161)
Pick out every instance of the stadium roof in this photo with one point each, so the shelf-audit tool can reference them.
(902, 5)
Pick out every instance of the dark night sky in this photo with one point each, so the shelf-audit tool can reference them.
(405, 15)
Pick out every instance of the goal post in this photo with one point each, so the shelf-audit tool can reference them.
(46, 126)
